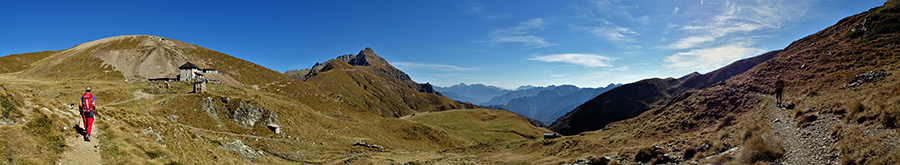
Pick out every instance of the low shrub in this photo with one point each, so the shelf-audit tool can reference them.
(761, 148)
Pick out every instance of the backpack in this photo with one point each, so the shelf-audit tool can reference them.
(87, 102)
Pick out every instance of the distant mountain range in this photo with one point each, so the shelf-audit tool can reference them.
(544, 104)
(473, 93)
(548, 105)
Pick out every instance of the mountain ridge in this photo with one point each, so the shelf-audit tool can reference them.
(473, 93)
(632, 99)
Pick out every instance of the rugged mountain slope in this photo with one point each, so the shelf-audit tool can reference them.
(138, 57)
(848, 71)
(479, 92)
(163, 123)
(842, 82)
(630, 100)
(367, 61)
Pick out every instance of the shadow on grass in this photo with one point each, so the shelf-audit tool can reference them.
(80, 130)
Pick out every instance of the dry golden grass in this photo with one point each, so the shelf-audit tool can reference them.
(18, 62)
(760, 144)
(39, 140)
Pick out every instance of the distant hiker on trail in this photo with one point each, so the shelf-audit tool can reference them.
(87, 111)
(779, 88)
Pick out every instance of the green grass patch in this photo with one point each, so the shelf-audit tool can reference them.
(42, 126)
(9, 108)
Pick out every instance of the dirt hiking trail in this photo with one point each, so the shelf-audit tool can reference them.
(802, 145)
(80, 151)
(810, 145)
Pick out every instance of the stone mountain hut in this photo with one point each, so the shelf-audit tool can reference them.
(188, 72)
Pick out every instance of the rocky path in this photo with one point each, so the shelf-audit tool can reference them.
(414, 114)
(82, 152)
(810, 145)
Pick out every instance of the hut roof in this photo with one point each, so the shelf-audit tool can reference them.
(188, 65)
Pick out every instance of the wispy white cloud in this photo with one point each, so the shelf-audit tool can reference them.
(614, 33)
(474, 8)
(478, 9)
(427, 66)
(588, 60)
(704, 60)
(691, 42)
(739, 17)
(624, 68)
(519, 34)
(607, 9)
(609, 15)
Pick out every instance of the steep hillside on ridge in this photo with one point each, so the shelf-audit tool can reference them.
(161, 123)
(620, 103)
(849, 72)
(629, 101)
(378, 95)
(715, 76)
(142, 57)
(19, 62)
(841, 82)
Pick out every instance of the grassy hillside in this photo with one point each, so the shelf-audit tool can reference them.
(19, 62)
(841, 81)
(483, 125)
(161, 123)
(635, 98)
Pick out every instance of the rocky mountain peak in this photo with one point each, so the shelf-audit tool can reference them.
(366, 60)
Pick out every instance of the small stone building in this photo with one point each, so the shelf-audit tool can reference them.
(551, 135)
(189, 72)
(199, 84)
(211, 71)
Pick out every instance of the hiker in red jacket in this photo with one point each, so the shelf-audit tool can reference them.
(87, 112)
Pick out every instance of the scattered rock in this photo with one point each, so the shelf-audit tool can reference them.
(811, 118)
(787, 104)
(359, 143)
(590, 161)
(865, 77)
(703, 147)
(173, 118)
(246, 114)
(243, 150)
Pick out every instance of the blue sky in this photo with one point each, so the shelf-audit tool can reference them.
(501, 43)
